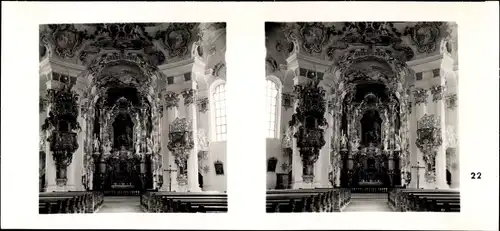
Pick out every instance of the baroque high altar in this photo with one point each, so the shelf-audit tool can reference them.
(364, 104)
(128, 106)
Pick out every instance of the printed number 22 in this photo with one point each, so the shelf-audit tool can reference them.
(475, 175)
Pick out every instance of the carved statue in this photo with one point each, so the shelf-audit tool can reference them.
(156, 147)
(150, 145)
(96, 144)
(138, 147)
(106, 147)
(343, 141)
(355, 144)
(202, 140)
(398, 142)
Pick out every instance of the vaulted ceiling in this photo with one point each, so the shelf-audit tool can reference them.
(329, 40)
(159, 43)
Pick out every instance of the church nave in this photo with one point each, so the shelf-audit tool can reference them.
(131, 113)
(357, 108)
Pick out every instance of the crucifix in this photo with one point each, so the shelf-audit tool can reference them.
(170, 170)
(418, 167)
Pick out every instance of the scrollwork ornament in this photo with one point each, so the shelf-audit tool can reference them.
(287, 100)
(420, 96)
(424, 35)
(176, 38)
(206, 169)
(66, 39)
(313, 35)
(437, 92)
(451, 101)
(189, 96)
(202, 105)
(171, 99)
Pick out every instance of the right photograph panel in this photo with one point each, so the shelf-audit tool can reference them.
(362, 116)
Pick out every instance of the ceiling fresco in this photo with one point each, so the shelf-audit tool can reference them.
(160, 43)
(329, 41)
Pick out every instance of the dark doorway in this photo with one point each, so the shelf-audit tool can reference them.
(448, 177)
(200, 180)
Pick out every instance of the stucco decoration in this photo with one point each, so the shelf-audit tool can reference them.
(176, 38)
(424, 35)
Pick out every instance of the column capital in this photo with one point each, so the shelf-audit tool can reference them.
(451, 101)
(189, 94)
(171, 99)
(420, 96)
(437, 92)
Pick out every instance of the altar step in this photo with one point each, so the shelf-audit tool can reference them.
(122, 193)
(369, 190)
(120, 204)
(368, 202)
(369, 196)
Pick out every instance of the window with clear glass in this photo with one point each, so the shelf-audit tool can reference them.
(220, 112)
(271, 108)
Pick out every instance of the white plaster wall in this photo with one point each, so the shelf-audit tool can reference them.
(218, 152)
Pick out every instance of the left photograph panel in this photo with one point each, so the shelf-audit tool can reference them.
(132, 118)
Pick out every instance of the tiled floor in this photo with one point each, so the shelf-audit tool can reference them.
(121, 205)
(368, 202)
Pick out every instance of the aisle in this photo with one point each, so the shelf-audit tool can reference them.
(368, 202)
(121, 204)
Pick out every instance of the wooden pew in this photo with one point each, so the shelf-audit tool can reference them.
(412, 200)
(176, 202)
(307, 200)
(69, 202)
(444, 200)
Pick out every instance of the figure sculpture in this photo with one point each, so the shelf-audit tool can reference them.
(138, 147)
(398, 142)
(96, 144)
(343, 141)
(156, 147)
(150, 145)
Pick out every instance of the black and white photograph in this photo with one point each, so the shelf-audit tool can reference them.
(338, 115)
(362, 117)
(132, 118)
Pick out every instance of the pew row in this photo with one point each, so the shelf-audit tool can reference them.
(69, 202)
(307, 200)
(182, 202)
(424, 200)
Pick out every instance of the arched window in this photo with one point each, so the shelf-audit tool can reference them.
(219, 99)
(272, 108)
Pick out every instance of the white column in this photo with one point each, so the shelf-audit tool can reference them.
(321, 167)
(75, 169)
(170, 168)
(204, 122)
(437, 99)
(297, 181)
(455, 160)
(189, 96)
(420, 98)
(336, 133)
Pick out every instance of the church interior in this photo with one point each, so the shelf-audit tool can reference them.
(132, 118)
(362, 116)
